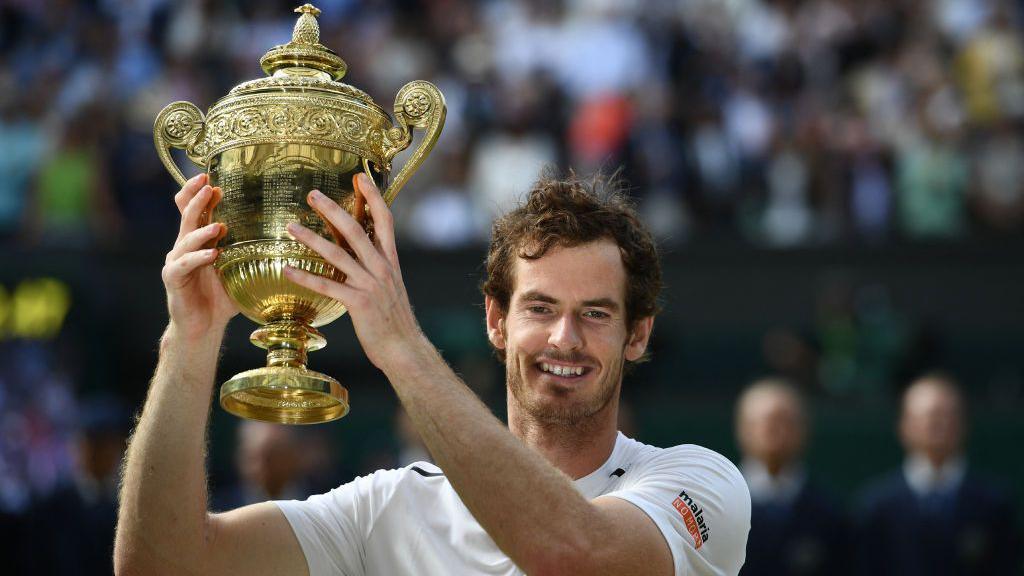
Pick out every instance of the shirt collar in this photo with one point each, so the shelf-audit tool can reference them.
(781, 488)
(924, 478)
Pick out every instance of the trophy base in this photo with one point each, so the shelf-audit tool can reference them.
(284, 395)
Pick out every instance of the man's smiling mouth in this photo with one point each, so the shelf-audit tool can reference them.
(562, 370)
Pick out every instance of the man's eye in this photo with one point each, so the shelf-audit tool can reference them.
(538, 309)
(596, 314)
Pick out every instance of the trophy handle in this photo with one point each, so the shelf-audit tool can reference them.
(179, 125)
(419, 104)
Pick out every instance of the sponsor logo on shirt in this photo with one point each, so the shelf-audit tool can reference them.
(693, 516)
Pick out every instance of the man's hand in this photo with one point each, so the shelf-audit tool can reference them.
(373, 290)
(196, 300)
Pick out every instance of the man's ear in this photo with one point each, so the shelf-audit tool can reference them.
(495, 323)
(637, 344)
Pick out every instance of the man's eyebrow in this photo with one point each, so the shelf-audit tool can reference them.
(537, 296)
(602, 303)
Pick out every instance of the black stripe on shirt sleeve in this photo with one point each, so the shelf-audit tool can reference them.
(424, 473)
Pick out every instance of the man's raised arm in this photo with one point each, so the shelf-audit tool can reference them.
(164, 526)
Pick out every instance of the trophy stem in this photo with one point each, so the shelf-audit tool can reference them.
(287, 343)
(285, 391)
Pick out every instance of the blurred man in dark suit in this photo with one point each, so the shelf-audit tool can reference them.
(72, 529)
(270, 465)
(278, 462)
(934, 516)
(794, 527)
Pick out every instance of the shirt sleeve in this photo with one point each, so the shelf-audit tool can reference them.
(333, 528)
(699, 501)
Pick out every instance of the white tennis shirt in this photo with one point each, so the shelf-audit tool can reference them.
(410, 521)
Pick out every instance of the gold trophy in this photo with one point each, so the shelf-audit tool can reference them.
(267, 144)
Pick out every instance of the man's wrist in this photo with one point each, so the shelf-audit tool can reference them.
(410, 358)
(176, 338)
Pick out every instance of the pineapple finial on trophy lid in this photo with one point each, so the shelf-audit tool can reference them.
(307, 30)
(304, 55)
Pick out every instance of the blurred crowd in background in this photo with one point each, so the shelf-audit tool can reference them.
(784, 123)
(769, 123)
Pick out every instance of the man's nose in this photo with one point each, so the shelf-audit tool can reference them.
(565, 334)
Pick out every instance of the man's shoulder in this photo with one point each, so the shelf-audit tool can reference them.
(693, 471)
(422, 469)
(988, 496)
(699, 501)
(688, 459)
(415, 474)
(378, 490)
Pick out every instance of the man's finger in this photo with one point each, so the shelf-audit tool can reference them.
(332, 253)
(383, 220)
(190, 217)
(215, 199)
(206, 216)
(320, 285)
(194, 184)
(176, 272)
(347, 226)
(196, 239)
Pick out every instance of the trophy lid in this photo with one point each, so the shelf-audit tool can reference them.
(304, 53)
(304, 63)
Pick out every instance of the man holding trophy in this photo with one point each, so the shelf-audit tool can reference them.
(571, 293)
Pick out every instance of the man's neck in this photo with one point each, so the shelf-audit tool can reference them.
(577, 449)
(779, 483)
(925, 476)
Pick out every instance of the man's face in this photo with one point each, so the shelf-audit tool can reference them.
(267, 456)
(771, 428)
(931, 423)
(565, 335)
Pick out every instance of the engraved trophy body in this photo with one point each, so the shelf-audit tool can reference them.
(266, 145)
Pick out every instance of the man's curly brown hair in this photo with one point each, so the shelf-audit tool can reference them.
(570, 212)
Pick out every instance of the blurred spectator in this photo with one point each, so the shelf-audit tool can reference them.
(23, 146)
(81, 513)
(990, 68)
(861, 343)
(787, 219)
(504, 163)
(272, 463)
(795, 528)
(37, 421)
(935, 516)
(443, 217)
(863, 339)
(73, 205)
(998, 196)
(931, 188)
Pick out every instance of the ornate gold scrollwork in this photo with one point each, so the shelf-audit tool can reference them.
(419, 104)
(179, 125)
(250, 119)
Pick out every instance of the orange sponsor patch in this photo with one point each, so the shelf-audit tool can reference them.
(690, 521)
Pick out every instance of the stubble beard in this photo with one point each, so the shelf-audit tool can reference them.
(571, 415)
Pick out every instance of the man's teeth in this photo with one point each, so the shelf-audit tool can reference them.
(561, 370)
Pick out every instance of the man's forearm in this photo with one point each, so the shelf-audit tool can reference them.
(162, 520)
(529, 507)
